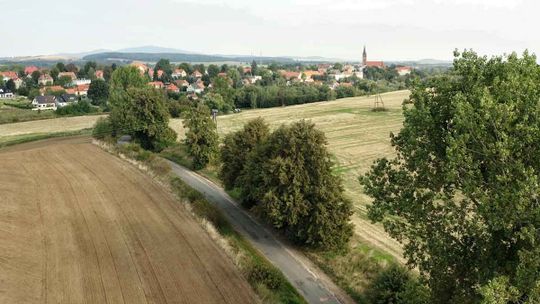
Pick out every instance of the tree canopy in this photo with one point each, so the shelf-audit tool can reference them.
(201, 137)
(462, 194)
(98, 92)
(289, 181)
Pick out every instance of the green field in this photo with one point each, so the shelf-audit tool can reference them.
(356, 136)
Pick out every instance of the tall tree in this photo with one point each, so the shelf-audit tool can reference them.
(236, 148)
(201, 137)
(98, 92)
(144, 115)
(289, 181)
(462, 194)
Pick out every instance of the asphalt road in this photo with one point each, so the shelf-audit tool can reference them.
(279, 254)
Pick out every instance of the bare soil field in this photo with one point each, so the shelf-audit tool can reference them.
(356, 136)
(78, 225)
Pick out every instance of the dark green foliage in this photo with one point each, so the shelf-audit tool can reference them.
(215, 101)
(280, 95)
(143, 113)
(102, 128)
(396, 285)
(201, 137)
(77, 108)
(98, 92)
(10, 85)
(289, 178)
(236, 148)
(462, 194)
(263, 274)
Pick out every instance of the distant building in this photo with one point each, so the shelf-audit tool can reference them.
(82, 81)
(99, 74)
(171, 87)
(156, 84)
(366, 63)
(67, 74)
(30, 69)
(65, 100)
(143, 68)
(7, 75)
(179, 73)
(45, 79)
(403, 70)
(197, 74)
(47, 102)
(5, 93)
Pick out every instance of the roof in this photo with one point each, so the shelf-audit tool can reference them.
(45, 99)
(172, 87)
(67, 98)
(378, 64)
(51, 89)
(10, 74)
(403, 68)
(196, 72)
(83, 87)
(4, 91)
(182, 83)
(290, 74)
(68, 74)
(30, 69)
(45, 77)
(99, 73)
(156, 84)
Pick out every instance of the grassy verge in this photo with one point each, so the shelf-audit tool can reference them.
(352, 270)
(266, 280)
(19, 139)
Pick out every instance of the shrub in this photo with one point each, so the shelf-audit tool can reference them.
(78, 108)
(396, 285)
(102, 128)
(269, 276)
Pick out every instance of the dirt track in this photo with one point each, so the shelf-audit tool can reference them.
(78, 225)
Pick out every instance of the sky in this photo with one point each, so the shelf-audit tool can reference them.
(390, 29)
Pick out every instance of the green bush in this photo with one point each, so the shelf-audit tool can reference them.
(78, 108)
(264, 274)
(396, 285)
(102, 128)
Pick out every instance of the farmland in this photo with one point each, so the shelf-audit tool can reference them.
(356, 136)
(91, 228)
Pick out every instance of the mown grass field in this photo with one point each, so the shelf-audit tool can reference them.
(356, 136)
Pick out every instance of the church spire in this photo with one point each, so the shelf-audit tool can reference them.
(364, 56)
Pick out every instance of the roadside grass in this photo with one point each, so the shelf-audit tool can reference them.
(266, 280)
(19, 139)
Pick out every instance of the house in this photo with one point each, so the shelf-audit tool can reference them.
(99, 74)
(30, 69)
(49, 89)
(197, 74)
(45, 79)
(403, 70)
(182, 83)
(7, 75)
(156, 84)
(247, 70)
(291, 75)
(67, 74)
(65, 100)
(140, 66)
(82, 90)
(253, 79)
(82, 81)
(197, 88)
(47, 102)
(5, 93)
(376, 64)
(178, 73)
(18, 82)
(171, 87)
(222, 74)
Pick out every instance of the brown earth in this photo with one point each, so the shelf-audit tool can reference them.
(78, 225)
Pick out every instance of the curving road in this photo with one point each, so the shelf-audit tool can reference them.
(301, 276)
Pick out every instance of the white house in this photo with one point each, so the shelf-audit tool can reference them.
(82, 81)
(47, 102)
(5, 93)
(403, 70)
(65, 100)
(179, 73)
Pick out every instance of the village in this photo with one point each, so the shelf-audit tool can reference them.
(53, 87)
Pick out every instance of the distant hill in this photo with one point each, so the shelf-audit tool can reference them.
(153, 49)
(179, 57)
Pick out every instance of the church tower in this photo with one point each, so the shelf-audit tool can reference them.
(364, 56)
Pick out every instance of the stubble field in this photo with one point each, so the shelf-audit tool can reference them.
(81, 226)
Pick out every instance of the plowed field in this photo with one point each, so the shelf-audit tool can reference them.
(78, 225)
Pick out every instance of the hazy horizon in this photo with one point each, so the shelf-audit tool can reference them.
(390, 29)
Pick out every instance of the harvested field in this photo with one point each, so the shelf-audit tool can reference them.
(356, 136)
(81, 226)
(48, 125)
